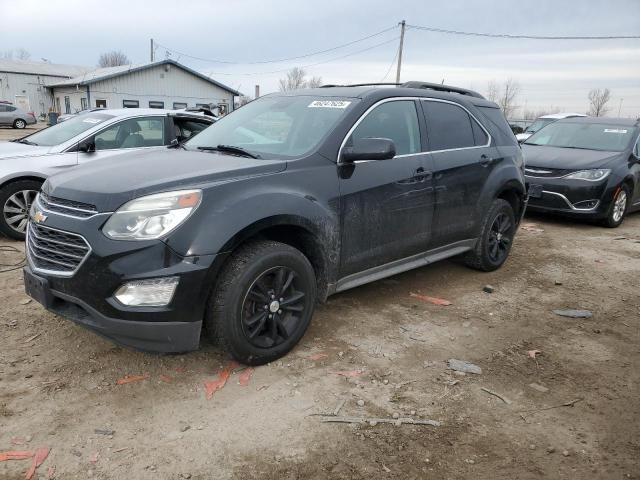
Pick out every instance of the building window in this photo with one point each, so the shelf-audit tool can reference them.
(130, 103)
(83, 103)
(179, 105)
(67, 105)
(202, 105)
(101, 103)
(155, 104)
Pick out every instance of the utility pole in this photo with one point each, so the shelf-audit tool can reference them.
(620, 106)
(402, 25)
(257, 93)
(151, 52)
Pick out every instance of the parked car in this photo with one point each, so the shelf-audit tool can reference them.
(244, 236)
(12, 116)
(27, 162)
(67, 116)
(543, 121)
(585, 167)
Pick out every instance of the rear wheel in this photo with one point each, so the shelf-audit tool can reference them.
(19, 123)
(496, 238)
(618, 208)
(263, 302)
(15, 200)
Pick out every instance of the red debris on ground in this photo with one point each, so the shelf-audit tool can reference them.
(212, 386)
(318, 356)
(94, 458)
(434, 300)
(39, 457)
(166, 378)
(534, 353)
(17, 441)
(245, 376)
(350, 374)
(128, 379)
(4, 456)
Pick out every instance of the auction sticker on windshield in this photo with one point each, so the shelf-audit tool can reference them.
(329, 104)
(614, 130)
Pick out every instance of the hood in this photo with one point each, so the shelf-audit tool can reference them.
(111, 182)
(567, 158)
(15, 149)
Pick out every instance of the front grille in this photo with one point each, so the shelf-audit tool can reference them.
(55, 251)
(67, 207)
(544, 172)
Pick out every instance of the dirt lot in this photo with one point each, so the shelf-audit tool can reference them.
(376, 343)
(8, 133)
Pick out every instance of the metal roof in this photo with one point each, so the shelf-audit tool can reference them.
(106, 73)
(42, 68)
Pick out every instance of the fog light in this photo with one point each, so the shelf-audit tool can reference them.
(154, 292)
(586, 204)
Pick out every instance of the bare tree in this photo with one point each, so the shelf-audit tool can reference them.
(493, 91)
(22, 54)
(7, 54)
(113, 59)
(598, 100)
(296, 79)
(507, 98)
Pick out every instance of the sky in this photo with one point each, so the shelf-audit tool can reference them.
(551, 74)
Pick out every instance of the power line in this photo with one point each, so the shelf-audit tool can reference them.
(393, 62)
(530, 37)
(279, 60)
(394, 39)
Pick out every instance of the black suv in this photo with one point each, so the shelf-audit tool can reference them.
(278, 205)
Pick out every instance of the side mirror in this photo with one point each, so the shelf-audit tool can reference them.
(369, 149)
(87, 146)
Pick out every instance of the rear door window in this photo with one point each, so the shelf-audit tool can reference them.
(132, 133)
(396, 120)
(449, 126)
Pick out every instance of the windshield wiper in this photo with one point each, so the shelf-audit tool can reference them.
(25, 141)
(231, 149)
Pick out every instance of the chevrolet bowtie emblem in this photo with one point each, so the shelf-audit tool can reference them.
(39, 217)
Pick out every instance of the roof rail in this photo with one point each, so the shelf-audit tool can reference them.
(441, 88)
(362, 85)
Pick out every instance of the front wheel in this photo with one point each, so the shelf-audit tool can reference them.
(16, 199)
(263, 302)
(618, 208)
(496, 237)
(20, 124)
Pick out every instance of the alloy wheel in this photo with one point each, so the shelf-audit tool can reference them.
(20, 124)
(16, 209)
(273, 307)
(500, 238)
(620, 206)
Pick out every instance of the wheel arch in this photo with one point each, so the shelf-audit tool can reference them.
(514, 193)
(21, 178)
(297, 232)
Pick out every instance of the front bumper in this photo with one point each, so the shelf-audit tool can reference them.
(578, 198)
(87, 297)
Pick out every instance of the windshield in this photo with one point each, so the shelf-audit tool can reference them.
(538, 124)
(61, 132)
(276, 126)
(589, 136)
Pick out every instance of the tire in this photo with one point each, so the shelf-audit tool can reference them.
(19, 124)
(15, 202)
(496, 238)
(618, 208)
(245, 303)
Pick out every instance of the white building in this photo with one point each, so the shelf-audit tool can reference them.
(23, 83)
(162, 84)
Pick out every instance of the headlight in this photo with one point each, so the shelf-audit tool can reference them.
(590, 175)
(151, 217)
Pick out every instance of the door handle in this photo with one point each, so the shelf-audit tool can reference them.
(421, 174)
(485, 161)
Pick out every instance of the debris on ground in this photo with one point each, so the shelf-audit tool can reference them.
(501, 397)
(104, 431)
(39, 456)
(32, 338)
(531, 227)
(166, 378)
(566, 404)
(462, 366)
(25, 301)
(130, 379)
(533, 353)
(245, 376)
(433, 300)
(318, 356)
(488, 289)
(212, 386)
(336, 410)
(571, 313)
(15, 455)
(351, 373)
(557, 283)
(360, 403)
(538, 387)
(369, 420)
